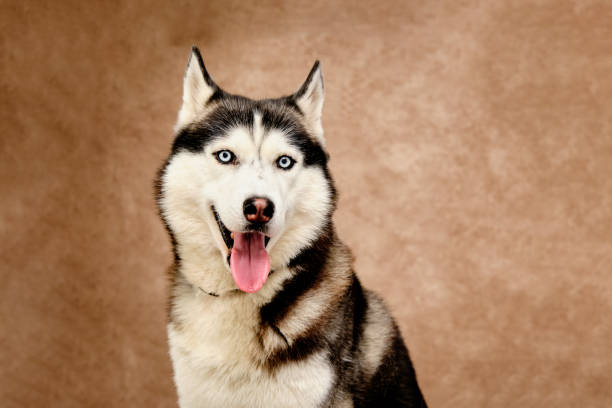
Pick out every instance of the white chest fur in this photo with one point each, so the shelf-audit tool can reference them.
(217, 359)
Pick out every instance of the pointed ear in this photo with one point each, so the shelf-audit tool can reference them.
(309, 98)
(198, 87)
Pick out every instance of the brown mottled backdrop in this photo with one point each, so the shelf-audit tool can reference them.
(471, 142)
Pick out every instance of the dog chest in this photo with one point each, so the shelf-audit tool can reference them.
(217, 360)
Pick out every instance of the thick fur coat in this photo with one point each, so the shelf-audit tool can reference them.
(299, 330)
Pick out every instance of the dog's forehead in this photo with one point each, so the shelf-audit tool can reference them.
(236, 112)
(269, 114)
(235, 116)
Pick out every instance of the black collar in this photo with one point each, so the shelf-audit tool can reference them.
(213, 294)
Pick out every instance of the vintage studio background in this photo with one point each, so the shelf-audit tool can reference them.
(471, 142)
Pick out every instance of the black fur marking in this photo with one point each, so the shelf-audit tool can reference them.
(194, 138)
(301, 348)
(309, 79)
(309, 264)
(209, 81)
(360, 307)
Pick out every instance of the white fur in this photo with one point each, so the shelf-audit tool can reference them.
(311, 104)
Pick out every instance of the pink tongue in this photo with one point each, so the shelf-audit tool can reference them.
(250, 262)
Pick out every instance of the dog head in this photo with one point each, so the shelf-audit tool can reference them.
(246, 187)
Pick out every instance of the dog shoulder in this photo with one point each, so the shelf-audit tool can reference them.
(388, 377)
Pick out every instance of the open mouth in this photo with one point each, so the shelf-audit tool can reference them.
(225, 233)
(247, 256)
(228, 236)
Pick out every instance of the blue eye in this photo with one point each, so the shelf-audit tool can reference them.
(285, 162)
(225, 157)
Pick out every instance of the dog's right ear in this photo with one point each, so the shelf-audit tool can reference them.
(198, 88)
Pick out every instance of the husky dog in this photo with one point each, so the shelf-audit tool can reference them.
(265, 309)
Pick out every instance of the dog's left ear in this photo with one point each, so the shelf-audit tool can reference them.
(198, 88)
(309, 98)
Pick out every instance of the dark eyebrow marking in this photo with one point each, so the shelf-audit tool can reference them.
(195, 137)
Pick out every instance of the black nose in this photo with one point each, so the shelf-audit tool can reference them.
(258, 209)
